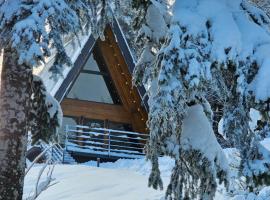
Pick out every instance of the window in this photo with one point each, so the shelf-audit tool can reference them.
(91, 64)
(94, 82)
(90, 87)
(119, 126)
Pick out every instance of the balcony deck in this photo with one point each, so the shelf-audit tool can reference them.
(86, 143)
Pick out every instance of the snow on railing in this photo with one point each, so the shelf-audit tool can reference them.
(103, 141)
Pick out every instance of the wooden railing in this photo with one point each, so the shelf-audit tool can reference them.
(106, 142)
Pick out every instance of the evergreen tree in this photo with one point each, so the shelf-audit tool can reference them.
(216, 45)
(263, 4)
(45, 114)
(30, 30)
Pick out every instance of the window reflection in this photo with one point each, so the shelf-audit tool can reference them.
(91, 64)
(90, 87)
(94, 82)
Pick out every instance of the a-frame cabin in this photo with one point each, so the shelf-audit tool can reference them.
(104, 115)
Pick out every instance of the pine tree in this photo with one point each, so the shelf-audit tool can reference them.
(45, 115)
(263, 4)
(217, 45)
(30, 31)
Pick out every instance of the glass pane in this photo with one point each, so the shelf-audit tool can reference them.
(120, 126)
(93, 123)
(91, 64)
(90, 87)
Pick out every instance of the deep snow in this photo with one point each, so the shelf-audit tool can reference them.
(80, 182)
(122, 180)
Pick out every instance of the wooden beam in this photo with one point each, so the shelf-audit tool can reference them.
(93, 110)
(123, 80)
(131, 111)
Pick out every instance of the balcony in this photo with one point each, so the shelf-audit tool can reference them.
(85, 143)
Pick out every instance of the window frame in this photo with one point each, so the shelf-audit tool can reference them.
(104, 72)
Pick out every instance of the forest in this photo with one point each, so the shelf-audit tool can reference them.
(142, 99)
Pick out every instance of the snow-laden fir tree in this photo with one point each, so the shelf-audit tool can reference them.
(217, 45)
(263, 4)
(30, 31)
(45, 114)
(102, 15)
(124, 13)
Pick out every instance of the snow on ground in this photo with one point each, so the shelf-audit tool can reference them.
(77, 182)
(123, 180)
(138, 165)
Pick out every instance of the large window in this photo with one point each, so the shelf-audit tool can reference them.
(73, 121)
(94, 123)
(91, 64)
(90, 87)
(94, 82)
(119, 126)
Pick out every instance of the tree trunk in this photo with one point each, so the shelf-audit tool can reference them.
(14, 106)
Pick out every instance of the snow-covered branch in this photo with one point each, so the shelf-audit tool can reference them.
(218, 47)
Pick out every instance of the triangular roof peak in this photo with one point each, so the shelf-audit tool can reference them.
(112, 29)
(80, 91)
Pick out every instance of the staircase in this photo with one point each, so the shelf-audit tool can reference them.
(57, 154)
(68, 159)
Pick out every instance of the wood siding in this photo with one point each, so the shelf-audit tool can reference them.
(123, 80)
(132, 110)
(93, 110)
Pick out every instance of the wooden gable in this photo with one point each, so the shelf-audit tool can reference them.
(130, 109)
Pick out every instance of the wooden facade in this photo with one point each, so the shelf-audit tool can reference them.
(122, 78)
(114, 63)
